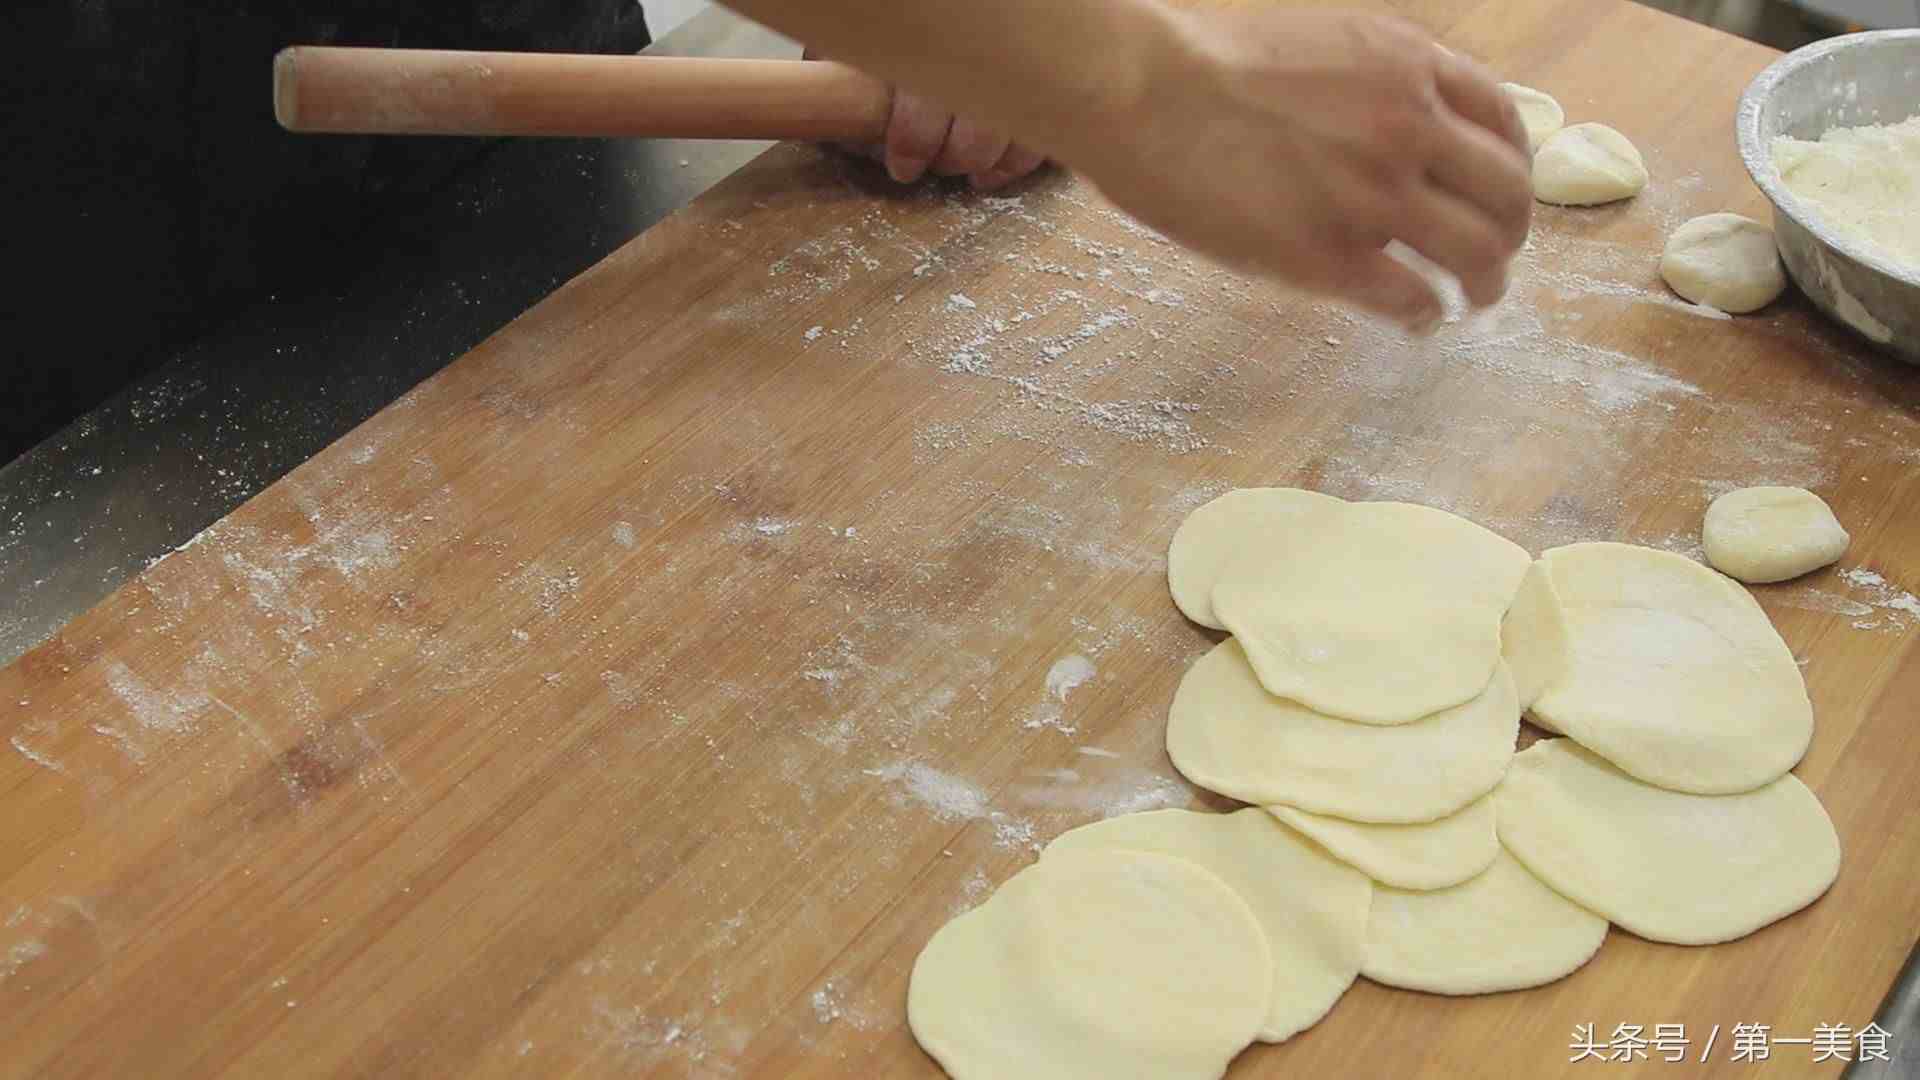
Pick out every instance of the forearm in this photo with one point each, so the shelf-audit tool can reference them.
(1043, 71)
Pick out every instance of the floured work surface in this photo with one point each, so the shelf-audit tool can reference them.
(639, 694)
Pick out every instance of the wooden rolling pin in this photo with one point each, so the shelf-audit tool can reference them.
(435, 92)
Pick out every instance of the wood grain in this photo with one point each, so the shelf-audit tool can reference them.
(638, 694)
(353, 90)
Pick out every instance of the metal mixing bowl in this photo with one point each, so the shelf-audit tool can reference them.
(1849, 81)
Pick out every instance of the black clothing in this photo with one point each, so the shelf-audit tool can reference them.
(152, 193)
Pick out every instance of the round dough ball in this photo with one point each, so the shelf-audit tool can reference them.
(1674, 673)
(1764, 534)
(1540, 113)
(1094, 964)
(1227, 734)
(1312, 907)
(1213, 534)
(1432, 855)
(1685, 869)
(1724, 261)
(1586, 165)
(1383, 613)
(1502, 930)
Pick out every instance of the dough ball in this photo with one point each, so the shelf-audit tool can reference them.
(1433, 855)
(1586, 165)
(1763, 534)
(1312, 907)
(1533, 636)
(1094, 964)
(1502, 930)
(1380, 612)
(1227, 734)
(1215, 533)
(1724, 261)
(1538, 111)
(1674, 674)
(1685, 869)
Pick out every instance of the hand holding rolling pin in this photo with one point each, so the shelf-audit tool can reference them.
(1294, 144)
(1291, 143)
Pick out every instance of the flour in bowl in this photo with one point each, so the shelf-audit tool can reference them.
(1863, 182)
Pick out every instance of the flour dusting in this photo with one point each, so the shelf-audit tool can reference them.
(1901, 608)
(949, 797)
(1066, 675)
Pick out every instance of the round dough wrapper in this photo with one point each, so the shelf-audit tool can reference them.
(1214, 533)
(1685, 869)
(1539, 112)
(1724, 261)
(1094, 964)
(1227, 734)
(1674, 674)
(1433, 855)
(1502, 930)
(1586, 165)
(1312, 907)
(1384, 614)
(1765, 534)
(1533, 636)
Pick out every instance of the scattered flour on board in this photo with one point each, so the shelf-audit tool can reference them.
(1130, 792)
(762, 527)
(20, 955)
(826, 1003)
(951, 798)
(1902, 608)
(632, 1036)
(169, 712)
(1808, 598)
(38, 757)
(1065, 676)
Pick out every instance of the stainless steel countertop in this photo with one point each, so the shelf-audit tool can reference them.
(238, 409)
(232, 413)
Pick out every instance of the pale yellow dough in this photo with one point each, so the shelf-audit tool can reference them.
(1383, 613)
(1533, 637)
(1245, 518)
(1724, 261)
(1227, 734)
(1433, 855)
(1767, 534)
(1502, 930)
(1674, 673)
(1685, 869)
(1586, 165)
(1097, 964)
(1539, 112)
(1312, 907)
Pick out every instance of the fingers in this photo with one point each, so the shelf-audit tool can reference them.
(1369, 278)
(916, 132)
(1472, 92)
(1481, 203)
(971, 148)
(1017, 162)
(1477, 166)
(1458, 236)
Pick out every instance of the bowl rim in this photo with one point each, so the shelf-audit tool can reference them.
(1757, 154)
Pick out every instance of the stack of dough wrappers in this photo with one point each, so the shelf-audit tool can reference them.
(1366, 707)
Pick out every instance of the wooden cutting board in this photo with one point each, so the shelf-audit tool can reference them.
(638, 695)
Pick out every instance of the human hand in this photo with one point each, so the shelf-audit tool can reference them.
(923, 137)
(1298, 144)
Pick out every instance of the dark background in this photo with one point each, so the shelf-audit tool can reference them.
(150, 194)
